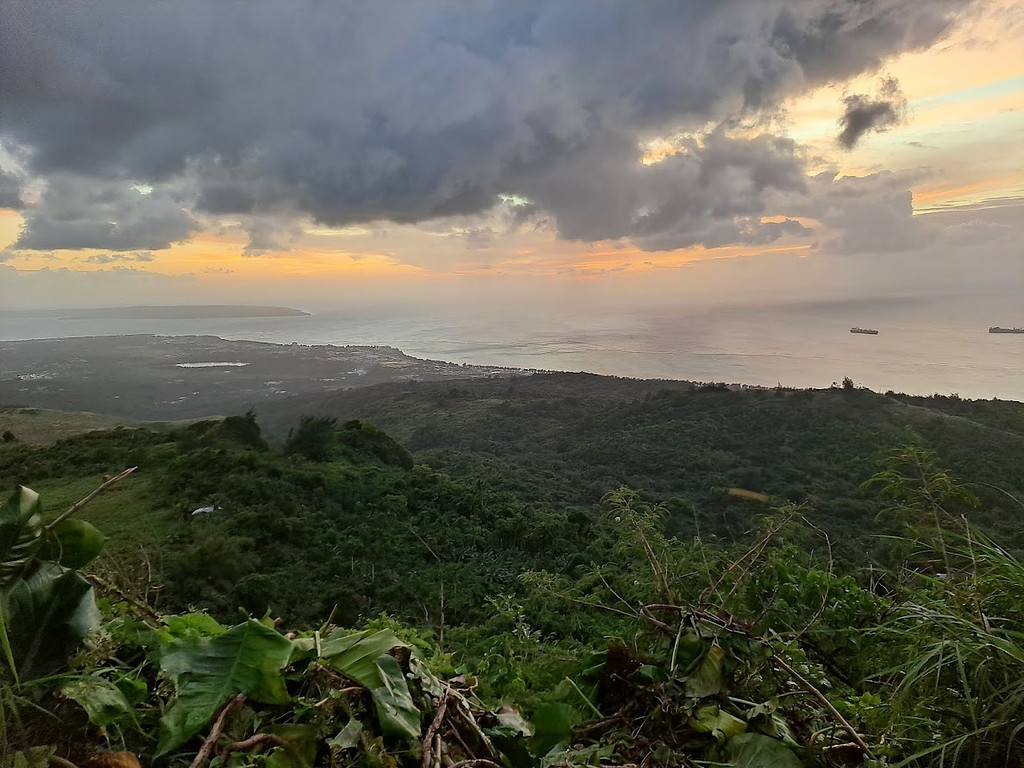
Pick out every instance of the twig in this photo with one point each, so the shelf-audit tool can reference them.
(811, 689)
(434, 726)
(675, 649)
(258, 740)
(79, 504)
(1004, 492)
(639, 615)
(599, 725)
(454, 732)
(203, 755)
(608, 586)
(121, 594)
(828, 585)
(753, 553)
(478, 762)
(482, 737)
(583, 697)
(149, 574)
(643, 614)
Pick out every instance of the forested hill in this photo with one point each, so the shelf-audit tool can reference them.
(566, 439)
(490, 555)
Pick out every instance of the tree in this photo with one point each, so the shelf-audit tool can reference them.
(312, 439)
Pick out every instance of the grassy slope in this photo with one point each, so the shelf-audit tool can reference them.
(43, 426)
(129, 513)
(40, 426)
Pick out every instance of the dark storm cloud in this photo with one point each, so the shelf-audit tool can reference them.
(863, 113)
(407, 111)
(705, 193)
(226, 198)
(10, 191)
(78, 212)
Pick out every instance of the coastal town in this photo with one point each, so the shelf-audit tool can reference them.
(181, 377)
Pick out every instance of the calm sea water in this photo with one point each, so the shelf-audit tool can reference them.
(924, 346)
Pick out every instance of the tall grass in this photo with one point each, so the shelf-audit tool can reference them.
(958, 674)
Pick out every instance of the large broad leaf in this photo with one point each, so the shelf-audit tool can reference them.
(102, 700)
(363, 657)
(552, 725)
(46, 617)
(706, 679)
(752, 750)
(73, 544)
(397, 715)
(21, 530)
(354, 655)
(207, 671)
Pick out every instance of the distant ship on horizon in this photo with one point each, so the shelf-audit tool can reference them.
(869, 331)
(997, 329)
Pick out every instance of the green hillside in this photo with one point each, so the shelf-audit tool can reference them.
(650, 573)
(405, 612)
(566, 439)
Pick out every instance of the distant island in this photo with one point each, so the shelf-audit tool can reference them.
(180, 312)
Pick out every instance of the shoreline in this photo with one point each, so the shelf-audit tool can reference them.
(184, 376)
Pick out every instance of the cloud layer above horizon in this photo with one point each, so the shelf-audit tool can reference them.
(137, 122)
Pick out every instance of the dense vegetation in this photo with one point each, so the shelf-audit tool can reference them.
(561, 441)
(499, 614)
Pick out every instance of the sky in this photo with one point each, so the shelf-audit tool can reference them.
(478, 152)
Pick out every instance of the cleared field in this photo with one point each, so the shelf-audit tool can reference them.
(40, 426)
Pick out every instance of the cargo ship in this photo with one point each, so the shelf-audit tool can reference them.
(869, 331)
(997, 329)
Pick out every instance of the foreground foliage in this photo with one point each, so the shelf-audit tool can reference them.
(620, 645)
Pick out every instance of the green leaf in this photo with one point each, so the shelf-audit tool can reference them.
(133, 689)
(510, 735)
(719, 724)
(397, 714)
(706, 680)
(552, 725)
(101, 699)
(190, 625)
(348, 737)
(363, 657)
(594, 755)
(207, 671)
(430, 684)
(511, 723)
(36, 757)
(21, 531)
(354, 655)
(47, 615)
(73, 544)
(752, 750)
(298, 748)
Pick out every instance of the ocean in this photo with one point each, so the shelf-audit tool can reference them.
(924, 346)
